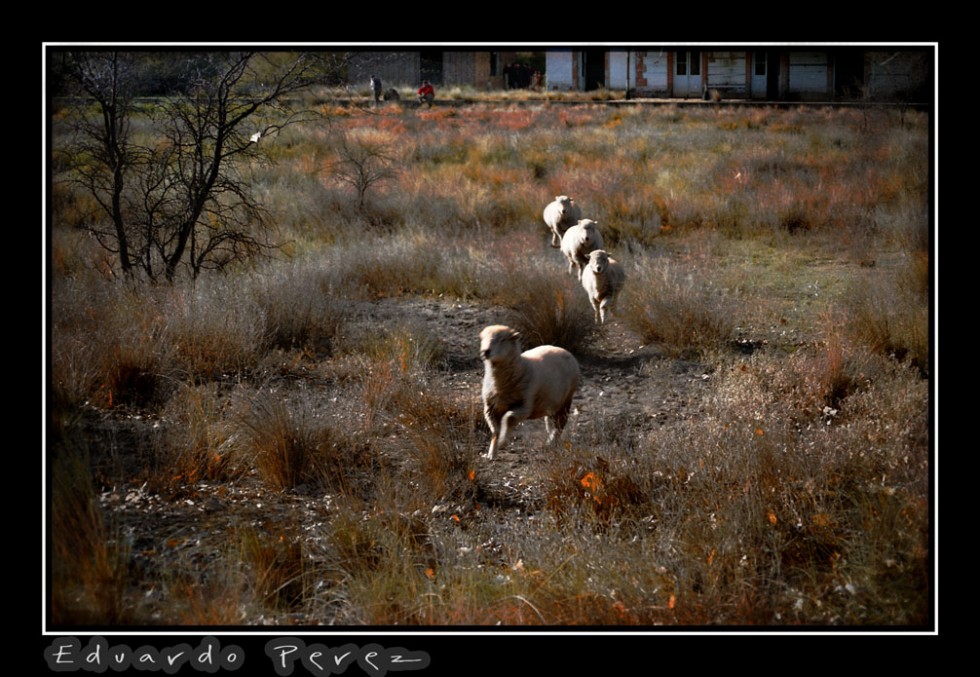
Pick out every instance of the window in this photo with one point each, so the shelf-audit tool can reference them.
(689, 63)
(760, 62)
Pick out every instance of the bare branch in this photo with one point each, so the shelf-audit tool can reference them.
(174, 194)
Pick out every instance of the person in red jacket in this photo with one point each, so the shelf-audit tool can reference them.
(426, 93)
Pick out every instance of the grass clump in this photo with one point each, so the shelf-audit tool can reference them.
(551, 308)
(293, 445)
(677, 306)
(89, 557)
(299, 309)
(199, 440)
(890, 315)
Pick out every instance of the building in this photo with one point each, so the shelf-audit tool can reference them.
(768, 73)
(445, 68)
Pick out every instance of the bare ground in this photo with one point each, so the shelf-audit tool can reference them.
(628, 388)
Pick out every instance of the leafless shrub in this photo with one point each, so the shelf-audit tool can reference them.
(363, 162)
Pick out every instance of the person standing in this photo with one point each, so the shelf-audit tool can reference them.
(376, 89)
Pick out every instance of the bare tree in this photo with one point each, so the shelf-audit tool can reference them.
(173, 194)
(362, 163)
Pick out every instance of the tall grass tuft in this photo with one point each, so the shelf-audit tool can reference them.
(551, 308)
(299, 308)
(677, 306)
(293, 444)
(890, 314)
(108, 345)
(200, 442)
(276, 568)
(88, 554)
(443, 439)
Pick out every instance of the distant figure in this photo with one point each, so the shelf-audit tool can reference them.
(427, 93)
(391, 95)
(376, 88)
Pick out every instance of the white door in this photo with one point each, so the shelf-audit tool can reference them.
(687, 73)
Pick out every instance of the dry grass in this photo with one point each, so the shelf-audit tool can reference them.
(678, 306)
(890, 315)
(293, 444)
(553, 310)
(90, 560)
(297, 426)
(200, 442)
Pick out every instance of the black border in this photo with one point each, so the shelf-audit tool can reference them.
(524, 650)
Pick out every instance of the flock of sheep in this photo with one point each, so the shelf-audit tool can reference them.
(540, 383)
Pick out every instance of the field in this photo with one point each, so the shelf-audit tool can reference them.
(297, 440)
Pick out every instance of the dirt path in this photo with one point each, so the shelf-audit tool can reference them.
(628, 387)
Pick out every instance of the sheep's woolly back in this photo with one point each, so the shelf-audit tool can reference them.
(578, 242)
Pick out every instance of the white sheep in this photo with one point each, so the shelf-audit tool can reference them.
(603, 279)
(518, 386)
(578, 241)
(559, 216)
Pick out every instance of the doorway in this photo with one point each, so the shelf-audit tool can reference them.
(687, 73)
(594, 68)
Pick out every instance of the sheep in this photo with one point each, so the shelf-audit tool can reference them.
(559, 216)
(518, 386)
(603, 279)
(577, 242)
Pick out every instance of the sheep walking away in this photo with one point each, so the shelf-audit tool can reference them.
(538, 383)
